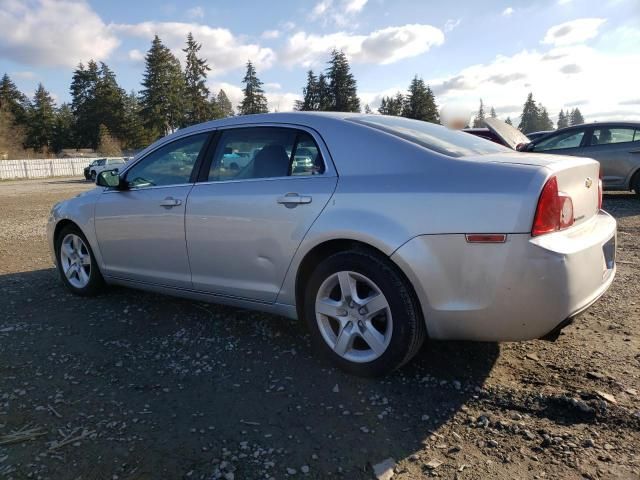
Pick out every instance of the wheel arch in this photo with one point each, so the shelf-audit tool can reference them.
(329, 247)
(635, 178)
(64, 222)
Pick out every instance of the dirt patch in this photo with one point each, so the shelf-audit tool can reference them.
(133, 385)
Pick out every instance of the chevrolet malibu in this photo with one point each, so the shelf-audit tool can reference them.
(389, 232)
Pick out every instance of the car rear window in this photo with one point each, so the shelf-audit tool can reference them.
(452, 143)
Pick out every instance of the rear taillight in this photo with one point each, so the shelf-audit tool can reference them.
(600, 189)
(554, 211)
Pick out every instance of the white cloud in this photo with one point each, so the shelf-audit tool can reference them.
(384, 46)
(223, 50)
(451, 24)
(25, 75)
(195, 13)
(340, 12)
(507, 12)
(559, 78)
(53, 33)
(270, 34)
(354, 6)
(575, 31)
(136, 55)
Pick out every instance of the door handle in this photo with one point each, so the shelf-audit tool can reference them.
(170, 202)
(292, 199)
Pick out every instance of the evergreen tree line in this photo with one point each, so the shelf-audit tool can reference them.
(534, 117)
(102, 116)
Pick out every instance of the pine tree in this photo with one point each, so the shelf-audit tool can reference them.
(12, 135)
(41, 115)
(544, 122)
(136, 136)
(224, 106)
(563, 120)
(508, 121)
(367, 109)
(109, 100)
(13, 100)
(83, 91)
(325, 102)
(478, 120)
(575, 117)
(254, 100)
(492, 113)
(107, 144)
(530, 115)
(392, 105)
(162, 97)
(198, 109)
(63, 129)
(420, 102)
(342, 84)
(310, 99)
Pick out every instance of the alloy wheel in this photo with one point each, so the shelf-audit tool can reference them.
(353, 316)
(75, 260)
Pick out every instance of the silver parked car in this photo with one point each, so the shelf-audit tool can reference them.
(386, 232)
(616, 145)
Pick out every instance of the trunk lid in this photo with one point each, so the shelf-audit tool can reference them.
(512, 137)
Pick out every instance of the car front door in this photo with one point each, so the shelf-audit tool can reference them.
(140, 228)
(245, 222)
(617, 148)
(564, 142)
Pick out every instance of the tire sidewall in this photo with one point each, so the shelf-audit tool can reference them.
(95, 278)
(403, 310)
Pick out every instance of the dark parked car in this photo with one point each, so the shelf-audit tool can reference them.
(536, 135)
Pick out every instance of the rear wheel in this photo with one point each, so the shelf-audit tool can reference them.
(362, 313)
(76, 263)
(635, 184)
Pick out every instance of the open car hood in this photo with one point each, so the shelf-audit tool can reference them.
(512, 137)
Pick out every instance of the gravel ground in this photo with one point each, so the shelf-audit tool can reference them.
(132, 385)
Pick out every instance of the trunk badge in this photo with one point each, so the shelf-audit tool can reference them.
(588, 182)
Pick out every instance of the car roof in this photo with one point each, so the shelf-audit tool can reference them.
(603, 124)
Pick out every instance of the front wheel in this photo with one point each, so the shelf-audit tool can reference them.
(93, 176)
(76, 263)
(362, 313)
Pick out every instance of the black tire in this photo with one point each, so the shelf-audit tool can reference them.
(96, 282)
(635, 184)
(409, 330)
(93, 176)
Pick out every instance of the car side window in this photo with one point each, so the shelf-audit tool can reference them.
(264, 152)
(604, 136)
(170, 164)
(571, 139)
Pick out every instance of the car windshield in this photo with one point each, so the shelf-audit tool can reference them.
(440, 139)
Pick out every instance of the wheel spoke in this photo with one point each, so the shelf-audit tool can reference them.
(82, 275)
(85, 259)
(344, 340)
(76, 243)
(374, 339)
(330, 308)
(69, 271)
(375, 304)
(68, 248)
(347, 287)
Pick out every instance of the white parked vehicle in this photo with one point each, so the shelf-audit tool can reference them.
(94, 169)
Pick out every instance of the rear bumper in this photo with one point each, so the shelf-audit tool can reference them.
(522, 289)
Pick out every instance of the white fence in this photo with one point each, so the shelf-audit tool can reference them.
(43, 167)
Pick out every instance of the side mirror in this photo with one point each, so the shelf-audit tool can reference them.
(109, 179)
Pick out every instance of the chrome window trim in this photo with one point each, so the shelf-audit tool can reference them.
(144, 189)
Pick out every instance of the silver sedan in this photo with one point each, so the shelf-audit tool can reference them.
(376, 231)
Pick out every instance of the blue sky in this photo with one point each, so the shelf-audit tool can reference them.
(569, 53)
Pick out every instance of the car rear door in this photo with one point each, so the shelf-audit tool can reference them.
(617, 148)
(244, 224)
(140, 230)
